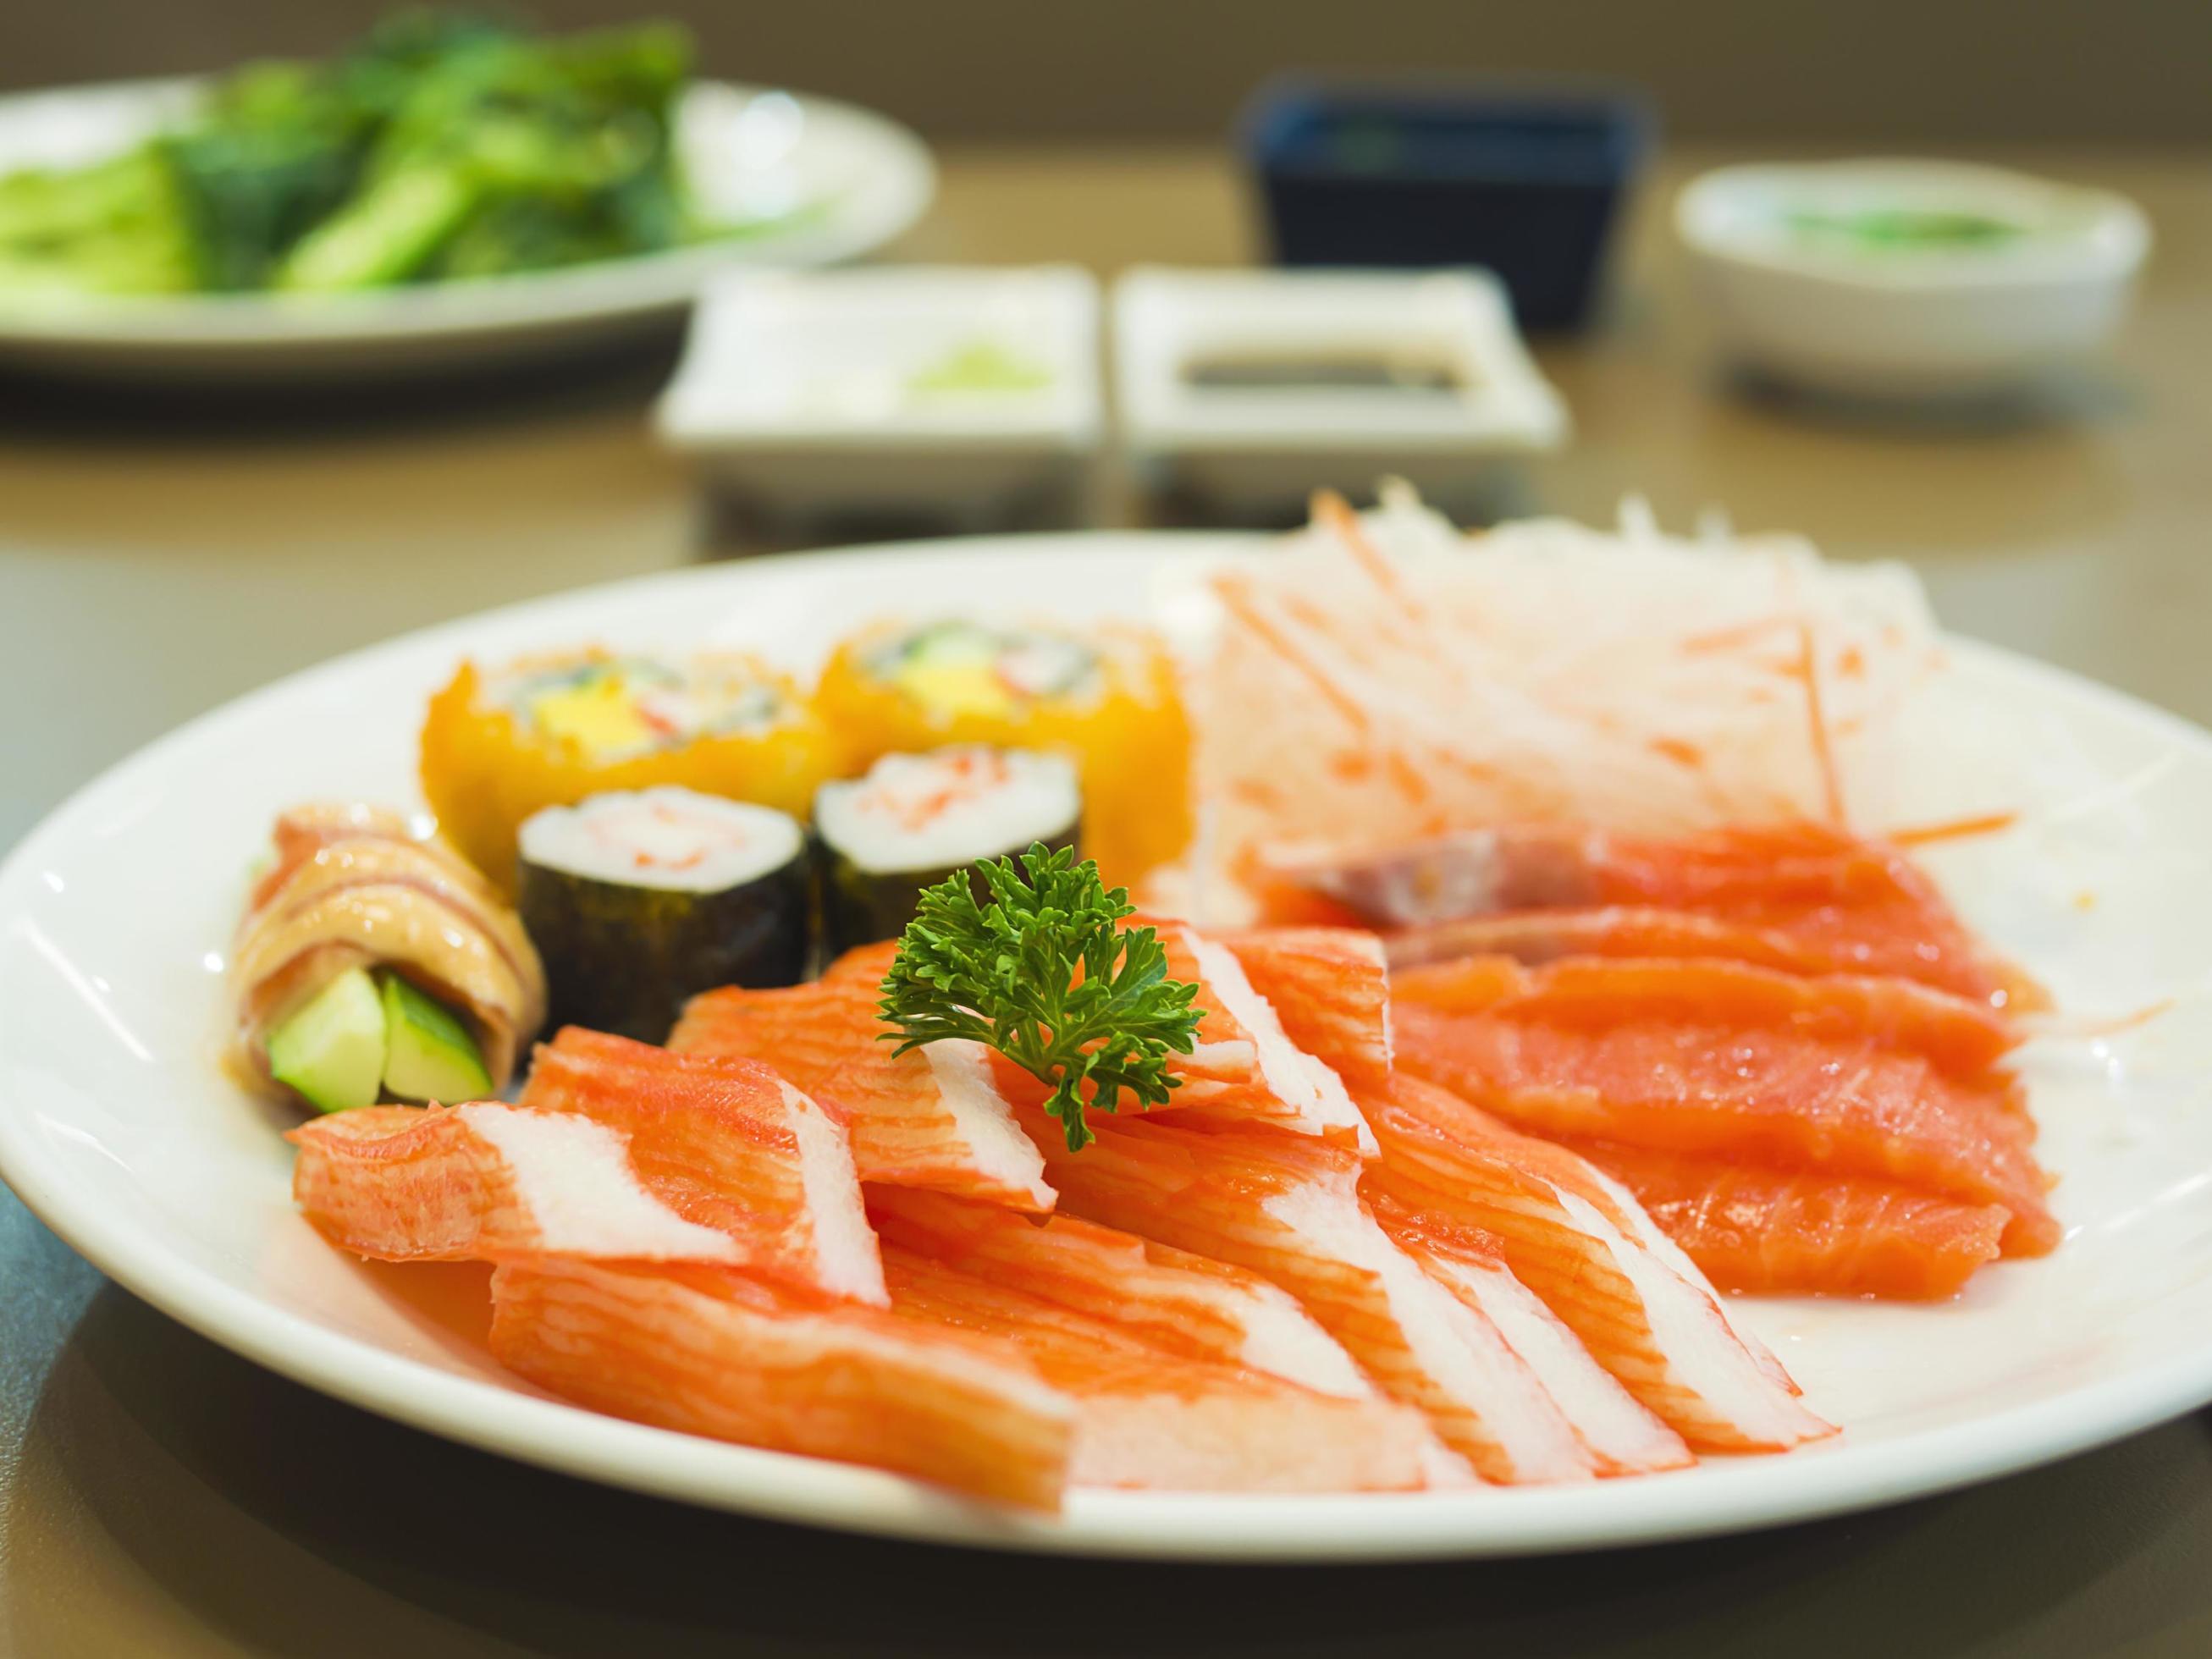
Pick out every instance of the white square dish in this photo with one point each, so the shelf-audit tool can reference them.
(1323, 378)
(934, 387)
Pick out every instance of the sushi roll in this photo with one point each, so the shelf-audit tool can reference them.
(638, 900)
(915, 819)
(501, 743)
(1107, 698)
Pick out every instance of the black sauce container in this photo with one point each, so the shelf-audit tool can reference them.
(1525, 180)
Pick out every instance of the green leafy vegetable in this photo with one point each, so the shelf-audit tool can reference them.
(445, 144)
(1042, 971)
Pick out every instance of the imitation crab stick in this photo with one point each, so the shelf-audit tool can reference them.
(1578, 1241)
(1287, 1207)
(415, 1183)
(1183, 1303)
(716, 1352)
(728, 1143)
(1149, 1418)
(928, 1118)
(1471, 1263)
(1245, 1066)
(1329, 989)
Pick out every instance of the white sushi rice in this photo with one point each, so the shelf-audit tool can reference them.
(947, 808)
(668, 837)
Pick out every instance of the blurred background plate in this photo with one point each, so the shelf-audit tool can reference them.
(829, 181)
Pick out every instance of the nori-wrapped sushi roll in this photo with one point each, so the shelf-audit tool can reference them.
(638, 902)
(914, 819)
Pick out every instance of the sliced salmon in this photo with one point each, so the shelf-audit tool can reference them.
(1580, 1242)
(453, 1183)
(1331, 991)
(728, 1143)
(1536, 937)
(1838, 1105)
(1146, 1416)
(1287, 1207)
(1802, 892)
(1960, 1036)
(1775, 1232)
(713, 1351)
(1471, 1263)
(932, 1117)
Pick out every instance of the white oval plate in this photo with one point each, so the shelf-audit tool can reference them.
(118, 1128)
(748, 151)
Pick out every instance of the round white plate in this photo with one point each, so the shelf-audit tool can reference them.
(748, 151)
(118, 1128)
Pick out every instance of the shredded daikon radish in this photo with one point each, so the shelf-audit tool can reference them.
(1383, 677)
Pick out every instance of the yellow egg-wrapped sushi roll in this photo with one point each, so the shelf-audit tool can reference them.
(1108, 699)
(499, 744)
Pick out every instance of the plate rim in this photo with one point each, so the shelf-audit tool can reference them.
(515, 1421)
(605, 291)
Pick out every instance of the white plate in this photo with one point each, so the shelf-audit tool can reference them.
(747, 150)
(118, 1129)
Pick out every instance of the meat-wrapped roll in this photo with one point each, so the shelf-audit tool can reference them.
(376, 962)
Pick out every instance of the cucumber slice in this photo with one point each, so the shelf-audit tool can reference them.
(331, 1049)
(429, 1053)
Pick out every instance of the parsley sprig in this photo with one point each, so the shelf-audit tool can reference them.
(1043, 973)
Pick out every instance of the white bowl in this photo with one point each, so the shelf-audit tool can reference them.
(1934, 321)
(1267, 446)
(812, 391)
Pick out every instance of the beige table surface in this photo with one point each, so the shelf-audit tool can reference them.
(157, 1495)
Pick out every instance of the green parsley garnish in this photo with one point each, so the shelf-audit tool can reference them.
(1044, 974)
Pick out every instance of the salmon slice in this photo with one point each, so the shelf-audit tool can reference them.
(1286, 1206)
(1802, 892)
(1536, 937)
(455, 1183)
(929, 1118)
(1245, 1066)
(1471, 1263)
(1149, 1418)
(728, 1143)
(1773, 1232)
(1837, 1105)
(1963, 1038)
(1580, 1242)
(715, 1353)
(1331, 992)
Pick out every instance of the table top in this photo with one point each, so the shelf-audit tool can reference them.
(158, 556)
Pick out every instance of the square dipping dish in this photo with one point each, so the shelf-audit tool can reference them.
(1253, 388)
(954, 390)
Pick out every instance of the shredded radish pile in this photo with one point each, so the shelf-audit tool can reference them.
(1383, 677)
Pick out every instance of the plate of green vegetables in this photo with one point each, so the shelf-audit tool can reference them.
(451, 186)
